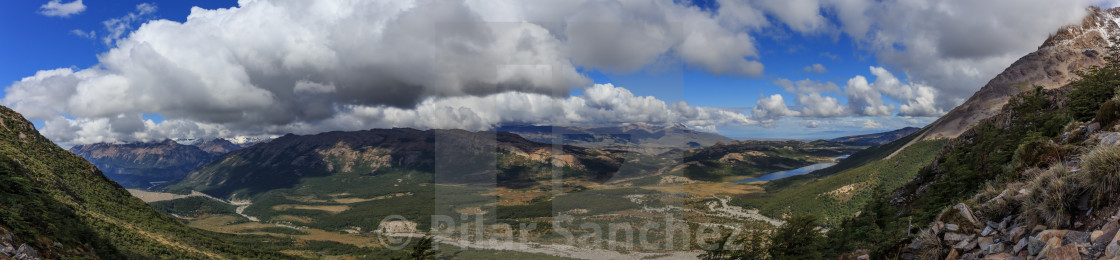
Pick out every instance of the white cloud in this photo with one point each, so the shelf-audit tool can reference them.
(772, 107)
(816, 68)
(84, 34)
(268, 67)
(117, 27)
(58, 9)
(954, 47)
(602, 104)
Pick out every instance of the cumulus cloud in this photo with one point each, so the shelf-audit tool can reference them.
(865, 98)
(771, 108)
(56, 8)
(287, 65)
(601, 104)
(117, 27)
(816, 68)
(955, 47)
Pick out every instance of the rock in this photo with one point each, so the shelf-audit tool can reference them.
(1064, 252)
(966, 213)
(1051, 244)
(1092, 128)
(952, 227)
(1035, 245)
(999, 256)
(953, 254)
(8, 251)
(987, 231)
(1076, 237)
(1112, 138)
(985, 242)
(26, 252)
(1019, 246)
(951, 236)
(863, 257)
(1113, 248)
(1047, 234)
(1016, 233)
(997, 248)
(1109, 232)
(937, 227)
(1037, 228)
(1095, 235)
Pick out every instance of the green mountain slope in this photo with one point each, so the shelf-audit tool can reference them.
(285, 161)
(63, 206)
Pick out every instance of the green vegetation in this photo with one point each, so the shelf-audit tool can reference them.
(193, 207)
(1101, 169)
(752, 158)
(1096, 86)
(52, 196)
(798, 238)
(1053, 198)
(857, 159)
(839, 196)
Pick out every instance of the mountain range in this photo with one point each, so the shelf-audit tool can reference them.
(55, 205)
(150, 164)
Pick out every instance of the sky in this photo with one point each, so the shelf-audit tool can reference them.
(120, 71)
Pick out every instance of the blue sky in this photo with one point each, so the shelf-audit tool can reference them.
(785, 43)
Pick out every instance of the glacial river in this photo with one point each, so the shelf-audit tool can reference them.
(794, 172)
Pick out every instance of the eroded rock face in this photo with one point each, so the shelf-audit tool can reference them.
(1073, 48)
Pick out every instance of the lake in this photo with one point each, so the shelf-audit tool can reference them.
(794, 172)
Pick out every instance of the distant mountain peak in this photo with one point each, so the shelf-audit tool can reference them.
(1097, 29)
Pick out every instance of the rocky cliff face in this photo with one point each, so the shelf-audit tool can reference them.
(1073, 48)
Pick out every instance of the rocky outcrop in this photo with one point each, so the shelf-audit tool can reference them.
(1010, 239)
(1073, 48)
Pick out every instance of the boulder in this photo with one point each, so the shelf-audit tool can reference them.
(1051, 244)
(953, 237)
(1092, 128)
(952, 227)
(1064, 252)
(1016, 233)
(1108, 233)
(1113, 249)
(997, 248)
(26, 252)
(1000, 256)
(1047, 234)
(987, 231)
(985, 242)
(964, 213)
(1076, 237)
(1034, 245)
(1111, 138)
(1019, 246)
(7, 251)
(953, 254)
(1037, 228)
(964, 245)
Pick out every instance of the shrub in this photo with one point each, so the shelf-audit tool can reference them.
(1101, 168)
(931, 247)
(1109, 113)
(798, 238)
(1036, 151)
(1053, 197)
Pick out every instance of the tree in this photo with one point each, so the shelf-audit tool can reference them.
(798, 238)
(422, 250)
